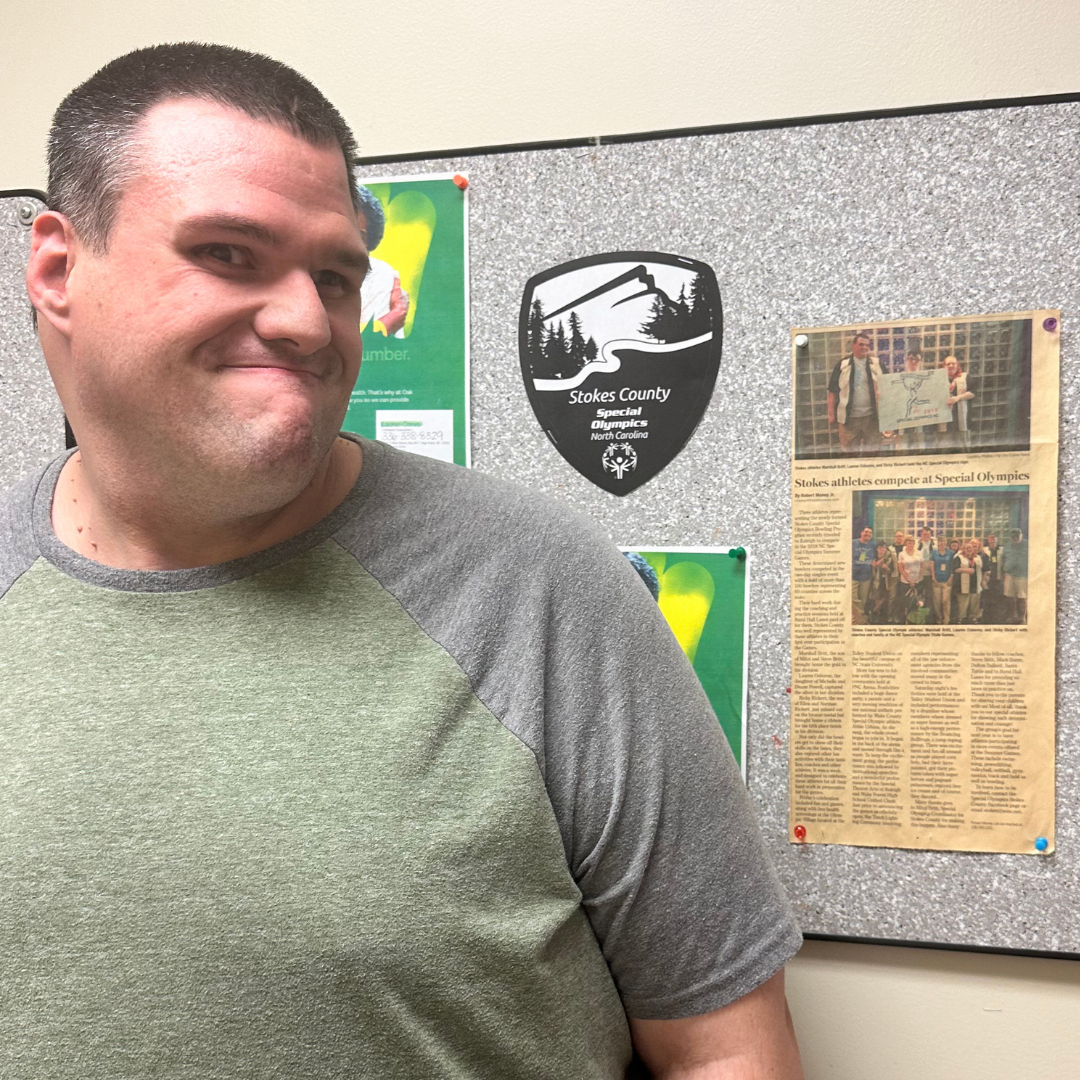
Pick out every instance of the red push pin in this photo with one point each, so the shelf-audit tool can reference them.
(800, 832)
(461, 181)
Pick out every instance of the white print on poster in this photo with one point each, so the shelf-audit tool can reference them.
(923, 584)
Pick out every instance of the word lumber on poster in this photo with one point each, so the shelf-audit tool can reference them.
(924, 520)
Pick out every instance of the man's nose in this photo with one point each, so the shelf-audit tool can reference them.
(293, 313)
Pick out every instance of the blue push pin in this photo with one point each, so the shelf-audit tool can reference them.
(1041, 844)
(737, 553)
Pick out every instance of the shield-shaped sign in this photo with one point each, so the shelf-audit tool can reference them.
(620, 353)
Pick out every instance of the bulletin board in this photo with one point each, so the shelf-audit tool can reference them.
(813, 223)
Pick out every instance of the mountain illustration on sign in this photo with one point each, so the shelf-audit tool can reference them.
(563, 354)
(619, 354)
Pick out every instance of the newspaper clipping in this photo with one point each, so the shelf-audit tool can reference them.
(924, 501)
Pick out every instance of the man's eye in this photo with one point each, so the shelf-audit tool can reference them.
(332, 284)
(229, 254)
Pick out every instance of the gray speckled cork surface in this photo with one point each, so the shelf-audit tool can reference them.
(32, 431)
(929, 216)
(955, 214)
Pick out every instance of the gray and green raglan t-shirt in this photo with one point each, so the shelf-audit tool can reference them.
(426, 791)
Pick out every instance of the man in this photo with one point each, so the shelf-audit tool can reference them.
(882, 584)
(912, 440)
(944, 564)
(853, 398)
(992, 581)
(925, 547)
(968, 581)
(909, 602)
(862, 556)
(897, 548)
(323, 759)
(954, 547)
(1014, 570)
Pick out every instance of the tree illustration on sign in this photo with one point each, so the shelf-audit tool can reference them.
(558, 347)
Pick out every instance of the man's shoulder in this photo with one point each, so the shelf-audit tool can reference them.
(419, 504)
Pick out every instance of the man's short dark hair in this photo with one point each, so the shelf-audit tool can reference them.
(91, 142)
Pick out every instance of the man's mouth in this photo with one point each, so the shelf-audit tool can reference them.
(284, 370)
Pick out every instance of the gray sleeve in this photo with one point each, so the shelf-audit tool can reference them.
(660, 834)
(563, 643)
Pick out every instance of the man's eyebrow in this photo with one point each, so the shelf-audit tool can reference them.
(354, 259)
(235, 223)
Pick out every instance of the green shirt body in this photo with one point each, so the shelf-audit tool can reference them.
(330, 811)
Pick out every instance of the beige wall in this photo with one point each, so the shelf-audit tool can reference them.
(431, 75)
(425, 74)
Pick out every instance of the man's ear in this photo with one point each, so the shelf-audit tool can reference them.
(53, 247)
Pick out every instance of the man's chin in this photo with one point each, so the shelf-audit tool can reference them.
(287, 446)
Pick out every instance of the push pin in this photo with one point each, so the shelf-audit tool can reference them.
(801, 341)
(737, 553)
(1041, 844)
(461, 181)
(800, 832)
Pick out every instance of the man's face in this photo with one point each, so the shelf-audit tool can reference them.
(991, 541)
(898, 538)
(925, 535)
(223, 322)
(860, 348)
(865, 536)
(954, 546)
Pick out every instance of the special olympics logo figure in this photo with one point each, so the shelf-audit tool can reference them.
(913, 383)
(619, 458)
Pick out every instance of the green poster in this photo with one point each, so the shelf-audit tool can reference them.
(413, 389)
(702, 594)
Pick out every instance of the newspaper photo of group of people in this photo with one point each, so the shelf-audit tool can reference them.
(913, 577)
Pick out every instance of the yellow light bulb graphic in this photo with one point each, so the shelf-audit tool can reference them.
(410, 224)
(686, 595)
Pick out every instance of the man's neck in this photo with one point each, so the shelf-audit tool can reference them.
(106, 530)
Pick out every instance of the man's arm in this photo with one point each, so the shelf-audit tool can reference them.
(750, 1039)
(833, 391)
